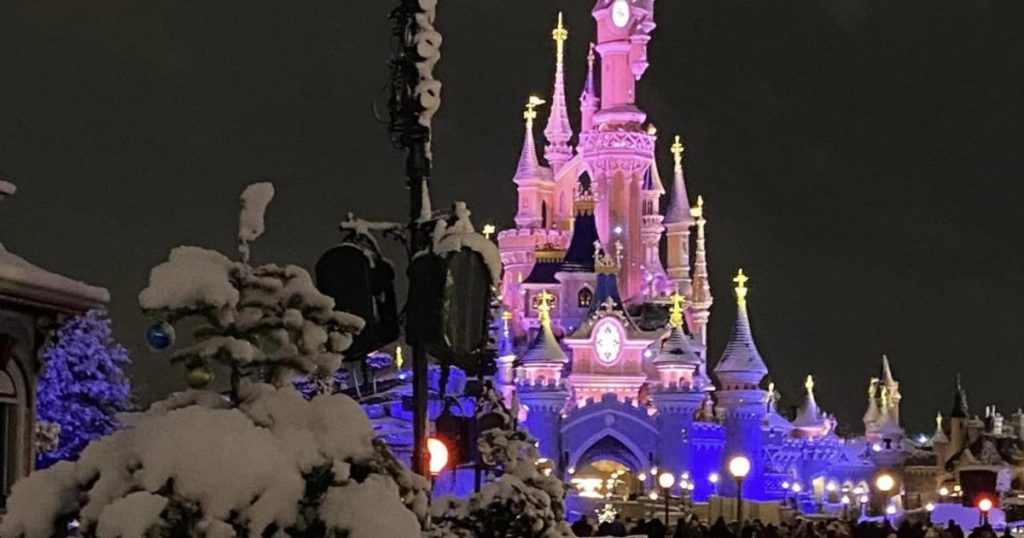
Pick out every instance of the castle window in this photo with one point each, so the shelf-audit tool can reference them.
(585, 297)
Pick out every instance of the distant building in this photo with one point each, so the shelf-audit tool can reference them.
(31, 301)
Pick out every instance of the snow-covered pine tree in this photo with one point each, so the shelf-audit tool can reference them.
(264, 461)
(83, 387)
(525, 502)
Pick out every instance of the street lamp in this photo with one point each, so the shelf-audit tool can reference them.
(739, 467)
(943, 493)
(666, 481)
(985, 505)
(438, 455)
(885, 484)
(714, 478)
(846, 506)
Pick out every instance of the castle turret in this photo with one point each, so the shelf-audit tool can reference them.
(541, 388)
(677, 398)
(618, 148)
(532, 180)
(741, 398)
(651, 230)
(700, 296)
(810, 421)
(678, 221)
(958, 418)
(872, 415)
(590, 103)
(892, 388)
(558, 131)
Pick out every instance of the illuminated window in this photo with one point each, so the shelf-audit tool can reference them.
(585, 297)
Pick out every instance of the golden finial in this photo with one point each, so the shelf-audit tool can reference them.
(591, 57)
(809, 385)
(938, 421)
(506, 316)
(675, 318)
(741, 286)
(560, 34)
(697, 211)
(531, 109)
(677, 152)
(544, 308)
(398, 358)
(771, 387)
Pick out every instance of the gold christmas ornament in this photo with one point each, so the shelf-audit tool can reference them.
(199, 377)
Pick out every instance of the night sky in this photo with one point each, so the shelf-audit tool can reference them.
(862, 160)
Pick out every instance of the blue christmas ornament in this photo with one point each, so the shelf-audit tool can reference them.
(160, 335)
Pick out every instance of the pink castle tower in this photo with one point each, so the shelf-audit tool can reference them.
(618, 149)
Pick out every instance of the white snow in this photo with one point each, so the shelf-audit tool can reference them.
(255, 199)
(191, 276)
(20, 278)
(240, 466)
(368, 510)
(130, 516)
(461, 235)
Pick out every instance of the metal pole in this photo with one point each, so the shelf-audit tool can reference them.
(666, 505)
(739, 504)
(408, 134)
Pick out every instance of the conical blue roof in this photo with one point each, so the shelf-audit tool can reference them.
(677, 349)
(607, 288)
(579, 258)
(741, 358)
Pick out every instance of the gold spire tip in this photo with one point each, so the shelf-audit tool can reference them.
(677, 152)
(544, 308)
(675, 318)
(560, 35)
(741, 286)
(697, 211)
(809, 384)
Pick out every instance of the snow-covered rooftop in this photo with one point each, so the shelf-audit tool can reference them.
(24, 282)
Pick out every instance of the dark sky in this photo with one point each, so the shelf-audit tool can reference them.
(861, 159)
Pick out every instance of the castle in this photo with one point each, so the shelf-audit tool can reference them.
(604, 346)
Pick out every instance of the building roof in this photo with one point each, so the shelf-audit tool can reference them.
(543, 272)
(579, 257)
(677, 350)
(21, 281)
(960, 408)
(741, 354)
(678, 210)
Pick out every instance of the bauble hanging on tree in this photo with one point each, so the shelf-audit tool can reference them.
(160, 335)
(199, 377)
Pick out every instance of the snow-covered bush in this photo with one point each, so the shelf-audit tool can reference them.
(82, 389)
(194, 465)
(525, 502)
(263, 461)
(268, 321)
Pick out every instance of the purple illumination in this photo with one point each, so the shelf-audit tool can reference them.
(82, 388)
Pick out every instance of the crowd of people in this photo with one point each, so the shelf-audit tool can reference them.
(691, 527)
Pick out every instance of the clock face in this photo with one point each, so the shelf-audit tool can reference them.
(620, 13)
(607, 343)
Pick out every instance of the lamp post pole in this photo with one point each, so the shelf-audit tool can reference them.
(666, 480)
(739, 467)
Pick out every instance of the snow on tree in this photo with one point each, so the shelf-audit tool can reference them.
(266, 320)
(82, 389)
(264, 461)
(525, 502)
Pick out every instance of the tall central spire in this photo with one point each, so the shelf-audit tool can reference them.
(558, 131)
(679, 205)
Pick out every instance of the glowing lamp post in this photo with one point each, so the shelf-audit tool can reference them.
(985, 506)
(438, 455)
(714, 478)
(666, 481)
(739, 468)
(845, 501)
(885, 483)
